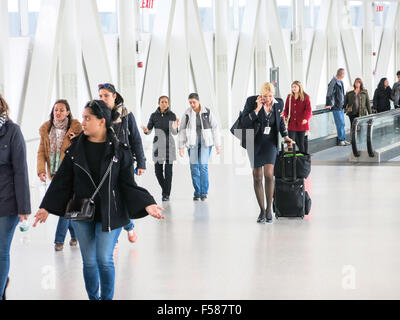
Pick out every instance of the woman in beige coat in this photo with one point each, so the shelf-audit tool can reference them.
(55, 138)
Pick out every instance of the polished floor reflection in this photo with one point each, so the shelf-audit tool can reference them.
(347, 248)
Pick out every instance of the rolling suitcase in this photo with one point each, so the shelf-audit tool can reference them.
(290, 198)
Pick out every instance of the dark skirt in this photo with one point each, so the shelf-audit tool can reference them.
(265, 152)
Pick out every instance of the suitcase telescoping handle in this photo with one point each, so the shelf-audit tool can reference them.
(284, 177)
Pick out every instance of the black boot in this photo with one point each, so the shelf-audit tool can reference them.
(261, 218)
(4, 294)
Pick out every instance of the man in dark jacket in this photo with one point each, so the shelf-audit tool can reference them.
(335, 102)
(15, 205)
(396, 92)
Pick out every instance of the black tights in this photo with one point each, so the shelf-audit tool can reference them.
(269, 185)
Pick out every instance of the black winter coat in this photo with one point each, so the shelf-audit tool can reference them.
(163, 143)
(251, 121)
(14, 182)
(382, 99)
(128, 134)
(121, 199)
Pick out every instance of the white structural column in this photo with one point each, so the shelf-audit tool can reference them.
(298, 47)
(278, 49)
(385, 48)
(70, 58)
(397, 48)
(222, 87)
(4, 50)
(244, 55)
(318, 52)
(261, 49)
(199, 59)
(157, 57)
(179, 61)
(24, 17)
(93, 46)
(367, 46)
(333, 38)
(349, 42)
(42, 70)
(127, 22)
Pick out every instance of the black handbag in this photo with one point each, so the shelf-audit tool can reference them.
(291, 165)
(239, 132)
(83, 209)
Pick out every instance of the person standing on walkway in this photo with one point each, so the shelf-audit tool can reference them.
(396, 92)
(199, 132)
(15, 204)
(382, 96)
(124, 125)
(356, 101)
(297, 114)
(165, 123)
(55, 137)
(262, 115)
(98, 156)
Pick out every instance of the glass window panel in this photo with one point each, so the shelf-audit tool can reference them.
(13, 6)
(34, 5)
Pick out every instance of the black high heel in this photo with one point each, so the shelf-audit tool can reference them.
(261, 218)
(269, 216)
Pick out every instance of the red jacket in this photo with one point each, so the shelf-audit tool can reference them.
(300, 110)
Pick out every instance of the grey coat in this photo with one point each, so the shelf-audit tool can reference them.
(14, 183)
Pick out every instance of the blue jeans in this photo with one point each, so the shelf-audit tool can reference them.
(62, 227)
(97, 254)
(338, 116)
(129, 226)
(199, 168)
(7, 228)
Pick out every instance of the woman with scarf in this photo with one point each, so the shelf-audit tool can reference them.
(55, 137)
(15, 204)
(127, 132)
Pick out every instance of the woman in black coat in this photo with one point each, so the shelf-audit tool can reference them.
(118, 200)
(15, 202)
(124, 125)
(164, 152)
(263, 115)
(382, 96)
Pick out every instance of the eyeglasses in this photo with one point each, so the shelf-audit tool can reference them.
(106, 86)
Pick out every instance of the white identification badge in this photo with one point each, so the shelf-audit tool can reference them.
(267, 130)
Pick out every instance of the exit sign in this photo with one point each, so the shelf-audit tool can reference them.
(379, 8)
(147, 4)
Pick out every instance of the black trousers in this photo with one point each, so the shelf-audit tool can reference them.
(352, 117)
(164, 176)
(299, 137)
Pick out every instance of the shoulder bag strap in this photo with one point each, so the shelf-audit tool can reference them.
(103, 179)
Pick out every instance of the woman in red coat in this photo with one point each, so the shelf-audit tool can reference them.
(297, 114)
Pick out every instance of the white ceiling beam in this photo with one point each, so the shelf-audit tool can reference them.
(179, 60)
(157, 58)
(298, 47)
(333, 38)
(70, 58)
(4, 46)
(128, 35)
(244, 55)
(42, 70)
(222, 87)
(93, 46)
(318, 52)
(261, 49)
(368, 45)
(278, 49)
(351, 53)
(199, 59)
(386, 44)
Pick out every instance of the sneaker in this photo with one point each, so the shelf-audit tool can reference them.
(165, 198)
(347, 143)
(59, 247)
(132, 235)
(341, 144)
(203, 197)
(73, 242)
(196, 198)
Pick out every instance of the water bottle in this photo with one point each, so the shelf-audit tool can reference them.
(23, 226)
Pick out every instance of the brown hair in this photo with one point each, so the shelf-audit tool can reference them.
(302, 94)
(159, 99)
(361, 84)
(4, 107)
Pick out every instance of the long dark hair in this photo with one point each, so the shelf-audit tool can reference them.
(361, 84)
(381, 84)
(111, 88)
(66, 104)
(4, 107)
(101, 111)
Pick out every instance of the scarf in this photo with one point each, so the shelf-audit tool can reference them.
(3, 119)
(56, 136)
(118, 112)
